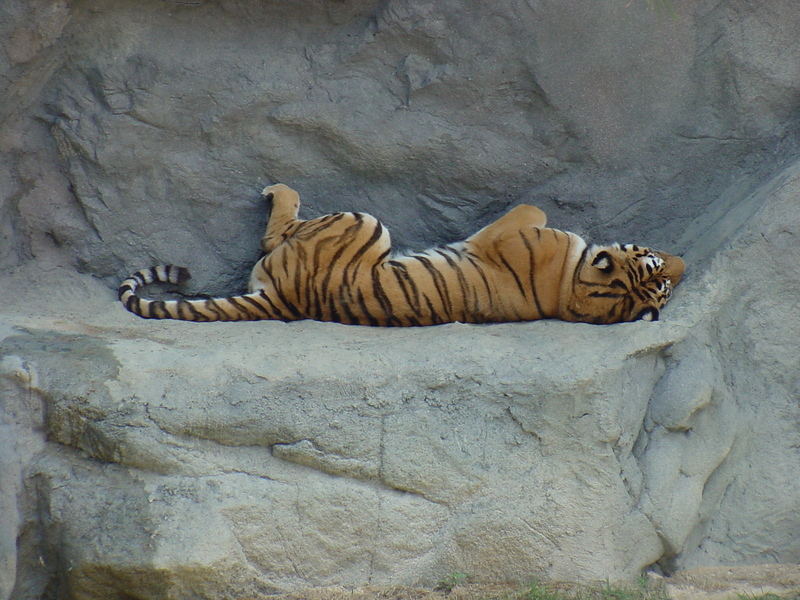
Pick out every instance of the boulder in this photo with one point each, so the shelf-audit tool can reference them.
(318, 454)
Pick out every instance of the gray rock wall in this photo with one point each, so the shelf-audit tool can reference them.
(176, 460)
(132, 127)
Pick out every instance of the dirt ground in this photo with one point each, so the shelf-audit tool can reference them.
(722, 583)
(703, 583)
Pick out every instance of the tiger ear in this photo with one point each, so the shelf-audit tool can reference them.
(603, 262)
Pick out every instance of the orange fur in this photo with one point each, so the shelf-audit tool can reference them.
(340, 268)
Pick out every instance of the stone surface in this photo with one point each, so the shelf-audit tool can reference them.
(333, 460)
(175, 460)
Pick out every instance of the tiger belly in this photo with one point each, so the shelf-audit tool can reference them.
(439, 286)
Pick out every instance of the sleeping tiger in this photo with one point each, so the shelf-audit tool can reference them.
(340, 268)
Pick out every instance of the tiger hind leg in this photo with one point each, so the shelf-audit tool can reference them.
(285, 206)
(522, 216)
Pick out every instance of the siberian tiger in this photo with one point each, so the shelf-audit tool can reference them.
(340, 268)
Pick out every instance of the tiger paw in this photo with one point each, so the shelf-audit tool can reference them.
(271, 191)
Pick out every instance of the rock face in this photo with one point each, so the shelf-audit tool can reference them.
(176, 460)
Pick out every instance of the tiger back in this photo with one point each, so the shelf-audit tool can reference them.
(340, 268)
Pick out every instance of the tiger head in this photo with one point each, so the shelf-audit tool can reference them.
(619, 283)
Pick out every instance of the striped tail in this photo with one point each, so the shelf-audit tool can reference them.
(249, 307)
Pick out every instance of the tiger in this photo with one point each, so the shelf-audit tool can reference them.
(341, 268)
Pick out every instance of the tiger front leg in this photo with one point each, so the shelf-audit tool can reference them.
(285, 206)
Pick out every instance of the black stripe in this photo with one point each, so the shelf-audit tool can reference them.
(289, 306)
(277, 313)
(181, 312)
(476, 263)
(145, 276)
(532, 269)
(259, 309)
(401, 274)
(124, 289)
(380, 294)
(309, 229)
(439, 283)
(214, 307)
(334, 313)
(275, 288)
(462, 281)
(612, 315)
(350, 232)
(188, 312)
(435, 318)
(373, 239)
(320, 247)
(134, 305)
(352, 318)
(393, 322)
(443, 250)
(242, 311)
(618, 283)
(313, 304)
(576, 273)
(158, 309)
(285, 263)
(315, 294)
(355, 262)
(301, 277)
(511, 270)
(362, 303)
(566, 254)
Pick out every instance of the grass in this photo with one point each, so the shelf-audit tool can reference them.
(539, 591)
(456, 586)
(643, 590)
(447, 584)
